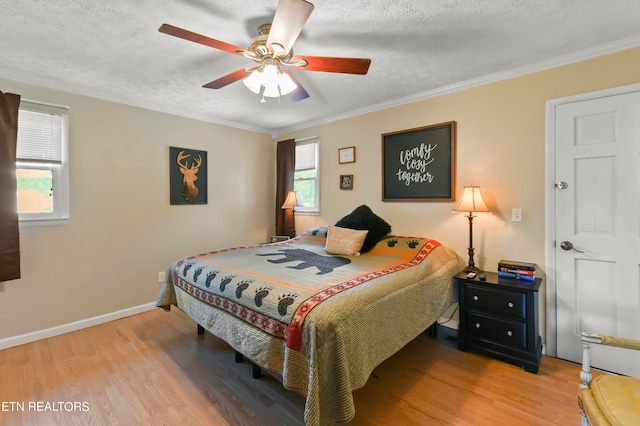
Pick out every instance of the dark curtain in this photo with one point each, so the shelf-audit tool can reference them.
(285, 169)
(9, 231)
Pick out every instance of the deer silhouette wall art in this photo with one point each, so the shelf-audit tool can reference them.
(188, 176)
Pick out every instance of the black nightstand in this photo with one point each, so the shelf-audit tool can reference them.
(500, 317)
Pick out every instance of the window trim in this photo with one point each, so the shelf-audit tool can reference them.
(60, 179)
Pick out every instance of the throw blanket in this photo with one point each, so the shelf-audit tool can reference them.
(275, 286)
(352, 312)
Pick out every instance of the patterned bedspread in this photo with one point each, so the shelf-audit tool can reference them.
(296, 294)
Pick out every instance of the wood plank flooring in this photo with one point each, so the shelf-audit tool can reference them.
(153, 369)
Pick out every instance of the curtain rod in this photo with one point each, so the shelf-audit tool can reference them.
(306, 139)
(41, 103)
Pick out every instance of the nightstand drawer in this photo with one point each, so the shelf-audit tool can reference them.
(501, 302)
(512, 333)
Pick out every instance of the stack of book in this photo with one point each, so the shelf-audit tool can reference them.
(517, 270)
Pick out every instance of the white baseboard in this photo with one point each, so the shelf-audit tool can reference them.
(74, 326)
(449, 323)
(450, 318)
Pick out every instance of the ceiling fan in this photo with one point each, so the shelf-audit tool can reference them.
(271, 51)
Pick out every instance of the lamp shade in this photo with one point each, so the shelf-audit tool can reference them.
(471, 201)
(291, 201)
(271, 91)
(286, 84)
(254, 82)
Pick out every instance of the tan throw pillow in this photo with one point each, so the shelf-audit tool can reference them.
(344, 241)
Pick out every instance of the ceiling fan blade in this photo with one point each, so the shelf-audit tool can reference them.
(290, 17)
(328, 64)
(298, 94)
(229, 78)
(197, 38)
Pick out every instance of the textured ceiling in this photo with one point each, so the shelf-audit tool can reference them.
(113, 50)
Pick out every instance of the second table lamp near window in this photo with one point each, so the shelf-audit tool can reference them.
(290, 203)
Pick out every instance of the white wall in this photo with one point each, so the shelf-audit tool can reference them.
(123, 230)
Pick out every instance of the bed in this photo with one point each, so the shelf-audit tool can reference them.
(321, 322)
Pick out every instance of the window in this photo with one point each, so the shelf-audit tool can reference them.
(42, 169)
(306, 178)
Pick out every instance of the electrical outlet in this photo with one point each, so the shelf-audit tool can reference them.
(160, 277)
(516, 215)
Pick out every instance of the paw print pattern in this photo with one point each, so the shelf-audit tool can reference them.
(211, 275)
(412, 243)
(226, 280)
(392, 243)
(284, 301)
(242, 286)
(186, 268)
(197, 273)
(261, 293)
(316, 231)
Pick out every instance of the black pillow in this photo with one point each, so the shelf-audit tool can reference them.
(362, 218)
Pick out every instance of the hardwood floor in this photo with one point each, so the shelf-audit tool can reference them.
(153, 369)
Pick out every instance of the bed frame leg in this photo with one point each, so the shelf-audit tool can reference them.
(432, 331)
(255, 371)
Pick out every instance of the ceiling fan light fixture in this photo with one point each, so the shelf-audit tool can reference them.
(254, 81)
(275, 82)
(286, 84)
(270, 74)
(271, 91)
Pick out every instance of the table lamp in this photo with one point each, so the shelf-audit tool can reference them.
(471, 202)
(290, 203)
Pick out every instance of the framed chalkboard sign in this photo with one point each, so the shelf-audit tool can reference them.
(419, 164)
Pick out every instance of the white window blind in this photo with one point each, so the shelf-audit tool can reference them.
(306, 180)
(305, 156)
(40, 137)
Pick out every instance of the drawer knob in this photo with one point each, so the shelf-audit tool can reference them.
(510, 304)
(477, 325)
(509, 333)
(475, 297)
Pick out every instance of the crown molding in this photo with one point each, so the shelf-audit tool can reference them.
(577, 56)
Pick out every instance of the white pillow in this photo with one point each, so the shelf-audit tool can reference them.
(344, 241)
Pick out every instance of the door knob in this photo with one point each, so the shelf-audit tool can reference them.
(568, 245)
(562, 185)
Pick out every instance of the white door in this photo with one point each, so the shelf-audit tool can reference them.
(598, 212)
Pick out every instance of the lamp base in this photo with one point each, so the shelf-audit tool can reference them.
(471, 265)
(290, 222)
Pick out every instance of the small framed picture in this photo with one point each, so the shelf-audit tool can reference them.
(347, 155)
(346, 181)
